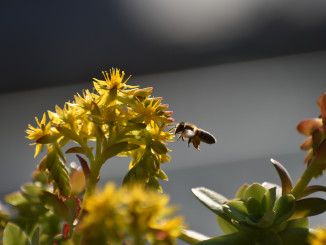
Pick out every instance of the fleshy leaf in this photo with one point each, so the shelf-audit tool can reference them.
(269, 199)
(297, 236)
(308, 126)
(235, 210)
(77, 182)
(321, 152)
(306, 144)
(161, 175)
(254, 208)
(267, 220)
(283, 208)
(53, 203)
(86, 170)
(210, 199)
(323, 110)
(48, 138)
(226, 226)
(256, 191)
(77, 149)
(15, 199)
(113, 150)
(243, 238)
(317, 138)
(68, 133)
(308, 207)
(298, 223)
(14, 235)
(192, 237)
(268, 237)
(312, 189)
(36, 237)
(159, 147)
(241, 191)
(58, 172)
(284, 175)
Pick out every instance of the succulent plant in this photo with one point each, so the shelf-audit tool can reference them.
(261, 213)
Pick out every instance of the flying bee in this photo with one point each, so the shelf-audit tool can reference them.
(193, 134)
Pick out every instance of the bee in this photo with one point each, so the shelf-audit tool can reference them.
(193, 134)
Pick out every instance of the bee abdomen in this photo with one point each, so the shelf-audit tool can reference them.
(205, 136)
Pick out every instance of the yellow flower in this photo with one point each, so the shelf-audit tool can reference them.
(38, 132)
(131, 215)
(115, 79)
(104, 213)
(148, 112)
(158, 133)
(85, 101)
(318, 237)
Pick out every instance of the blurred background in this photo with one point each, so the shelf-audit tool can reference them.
(245, 70)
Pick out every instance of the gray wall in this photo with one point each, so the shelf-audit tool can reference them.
(251, 107)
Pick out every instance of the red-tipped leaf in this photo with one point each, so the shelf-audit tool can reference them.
(308, 126)
(284, 176)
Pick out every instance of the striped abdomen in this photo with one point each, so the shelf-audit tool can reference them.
(205, 136)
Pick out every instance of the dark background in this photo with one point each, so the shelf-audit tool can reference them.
(50, 43)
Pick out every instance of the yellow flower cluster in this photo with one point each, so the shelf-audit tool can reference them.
(123, 120)
(318, 237)
(131, 216)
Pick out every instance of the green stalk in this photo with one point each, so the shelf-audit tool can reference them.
(306, 177)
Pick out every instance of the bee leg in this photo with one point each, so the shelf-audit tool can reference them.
(179, 137)
(189, 141)
(183, 139)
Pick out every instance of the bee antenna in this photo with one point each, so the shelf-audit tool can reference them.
(173, 125)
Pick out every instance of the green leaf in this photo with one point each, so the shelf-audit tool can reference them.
(77, 182)
(297, 236)
(155, 184)
(15, 199)
(30, 192)
(321, 152)
(58, 172)
(113, 150)
(48, 138)
(241, 191)
(192, 237)
(284, 176)
(77, 149)
(161, 175)
(238, 207)
(68, 133)
(254, 208)
(267, 220)
(243, 238)
(210, 199)
(283, 208)
(112, 95)
(268, 237)
(298, 223)
(226, 226)
(85, 168)
(256, 191)
(57, 206)
(36, 237)
(312, 189)
(159, 147)
(308, 207)
(269, 199)
(14, 235)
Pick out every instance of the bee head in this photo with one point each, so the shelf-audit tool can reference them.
(180, 127)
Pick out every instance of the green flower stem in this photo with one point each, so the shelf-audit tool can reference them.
(304, 180)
